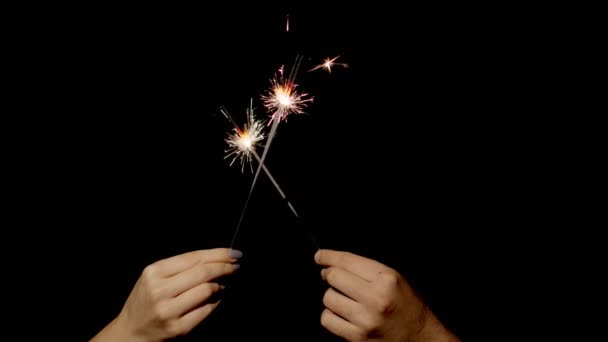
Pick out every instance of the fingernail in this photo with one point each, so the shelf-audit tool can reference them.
(235, 254)
(323, 273)
(236, 266)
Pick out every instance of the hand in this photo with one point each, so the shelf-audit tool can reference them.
(369, 301)
(171, 296)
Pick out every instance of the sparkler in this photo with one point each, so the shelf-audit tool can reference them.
(249, 149)
(281, 100)
(328, 63)
(244, 144)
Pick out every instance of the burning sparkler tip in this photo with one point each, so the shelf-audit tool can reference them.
(242, 142)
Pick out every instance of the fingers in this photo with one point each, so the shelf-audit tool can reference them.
(179, 263)
(199, 274)
(363, 267)
(193, 298)
(351, 285)
(344, 307)
(340, 327)
(194, 317)
(186, 323)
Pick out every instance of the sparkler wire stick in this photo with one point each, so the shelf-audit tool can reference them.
(291, 207)
(276, 185)
(293, 210)
(273, 130)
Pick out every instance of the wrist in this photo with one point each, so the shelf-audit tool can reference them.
(433, 330)
(124, 331)
(119, 330)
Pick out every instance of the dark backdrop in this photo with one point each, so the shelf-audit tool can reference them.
(400, 157)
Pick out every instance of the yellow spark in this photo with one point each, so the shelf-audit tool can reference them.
(283, 99)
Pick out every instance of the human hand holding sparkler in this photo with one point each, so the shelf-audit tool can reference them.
(373, 302)
(171, 297)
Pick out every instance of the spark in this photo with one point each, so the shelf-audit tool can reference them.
(283, 99)
(242, 142)
(281, 111)
(287, 26)
(328, 64)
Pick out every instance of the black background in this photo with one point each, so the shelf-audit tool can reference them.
(406, 156)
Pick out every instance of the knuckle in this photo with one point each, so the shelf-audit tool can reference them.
(161, 312)
(327, 298)
(156, 292)
(149, 272)
(385, 305)
(388, 283)
(371, 323)
(330, 274)
(359, 335)
(390, 279)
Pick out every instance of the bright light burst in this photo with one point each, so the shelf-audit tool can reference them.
(328, 64)
(283, 99)
(242, 143)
